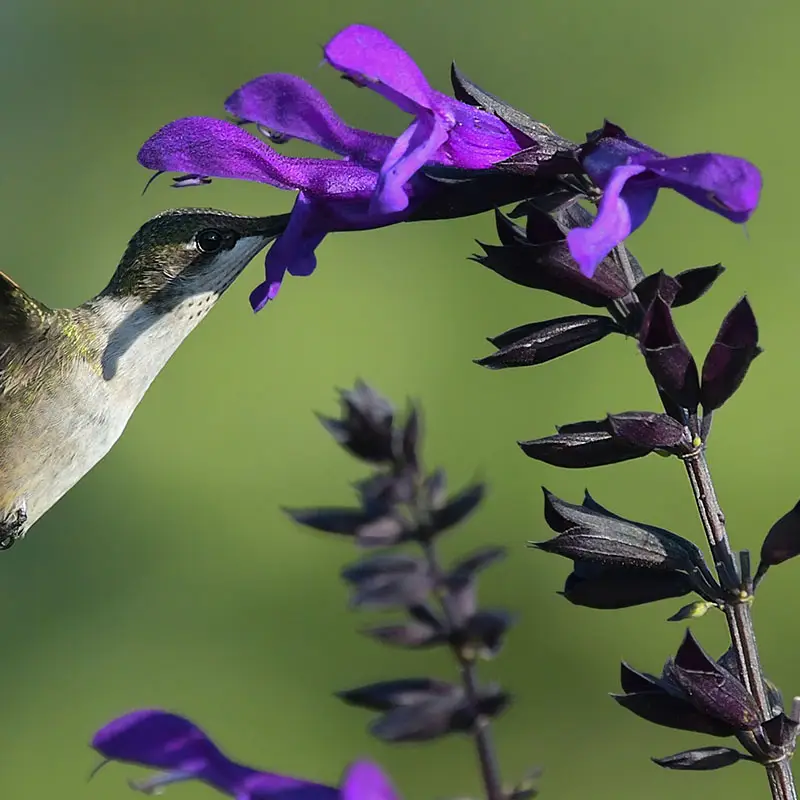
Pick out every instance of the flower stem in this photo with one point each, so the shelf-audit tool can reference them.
(481, 731)
(737, 609)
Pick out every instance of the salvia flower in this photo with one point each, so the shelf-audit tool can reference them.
(444, 131)
(631, 173)
(376, 180)
(171, 743)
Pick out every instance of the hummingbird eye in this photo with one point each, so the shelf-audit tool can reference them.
(209, 240)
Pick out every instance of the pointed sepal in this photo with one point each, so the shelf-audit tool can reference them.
(728, 360)
(668, 358)
(702, 758)
(538, 342)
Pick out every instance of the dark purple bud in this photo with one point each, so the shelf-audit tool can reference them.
(547, 144)
(651, 430)
(370, 528)
(703, 758)
(457, 509)
(659, 702)
(694, 283)
(538, 342)
(711, 688)
(595, 586)
(439, 717)
(546, 263)
(389, 581)
(583, 444)
(386, 695)
(545, 267)
(782, 542)
(655, 285)
(667, 356)
(365, 429)
(730, 356)
(586, 534)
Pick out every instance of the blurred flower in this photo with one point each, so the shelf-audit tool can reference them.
(631, 173)
(165, 741)
(375, 183)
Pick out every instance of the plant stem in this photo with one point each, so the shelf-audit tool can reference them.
(737, 609)
(484, 744)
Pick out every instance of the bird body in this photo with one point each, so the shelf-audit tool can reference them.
(70, 379)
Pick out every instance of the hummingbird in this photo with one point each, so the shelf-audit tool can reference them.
(70, 378)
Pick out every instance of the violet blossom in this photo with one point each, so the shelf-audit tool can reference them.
(171, 743)
(631, 173)
(377, 180)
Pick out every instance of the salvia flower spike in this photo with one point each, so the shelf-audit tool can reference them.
(438, 604)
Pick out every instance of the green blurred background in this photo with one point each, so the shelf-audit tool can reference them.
(169, 577)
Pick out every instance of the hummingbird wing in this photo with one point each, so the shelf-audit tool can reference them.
(24, 327)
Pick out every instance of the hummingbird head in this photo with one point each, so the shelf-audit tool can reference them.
(173, 271)
(190, 253)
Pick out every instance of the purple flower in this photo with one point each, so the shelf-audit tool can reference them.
(171, 743)
(376, 182)
(444, 131)
(630, 175)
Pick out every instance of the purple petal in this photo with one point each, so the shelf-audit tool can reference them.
(220, 149)
(155, 738)
(413, 148)
(372, 59)
(289, 105)
(477, 140)
(622, 210)
(158, 739)
(293, 250)
(728, 185)
(366, 781)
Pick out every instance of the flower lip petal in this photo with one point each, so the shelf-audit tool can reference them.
(291, 106)
(371, 58)
(728, 185)
(161, 740)
(220, 149)
(622, 209)
(155, 738)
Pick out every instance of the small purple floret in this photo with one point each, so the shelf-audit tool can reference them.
(168, 742)
(630, 175)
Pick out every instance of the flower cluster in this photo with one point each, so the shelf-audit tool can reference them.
(493, 153)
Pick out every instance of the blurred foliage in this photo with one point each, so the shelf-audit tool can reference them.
(169, 576)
